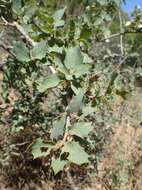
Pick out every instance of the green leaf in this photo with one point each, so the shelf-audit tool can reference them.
(44, 83)
(106, 32)
(75, 89)
(61, 68)
(40, 50)
(21, 52)
(87, 110)
(58, 15)
(76, 103)
(74, 62)
(86, 58)
(16, 5)
(29, 13)
(85, 33)
(102, 2)
(73, 57)
(81, 129)
(56, 49)
(60, 23)
(80, 70)
(98, 22)
(77, 154)
(58, 128)
(58, 165)
(37, 146)
(45, 17)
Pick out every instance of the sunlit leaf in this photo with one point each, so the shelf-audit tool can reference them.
(44, 83)
(73, 57)
(77, 154)
(87, 110)
(86, 58)
(58, 165)
(58, 128)
(55, 49)
(39, 51)
(59, 14)
(16, 5)
(75, 90)
(81, 129)
(37, 148)
(21, 52)
(58, 22)
(74, 62)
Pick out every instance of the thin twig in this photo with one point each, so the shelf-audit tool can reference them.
(67, 125)
(121, 36)
(7, 49)
(9, 52)
(22, 144)
(120, 63)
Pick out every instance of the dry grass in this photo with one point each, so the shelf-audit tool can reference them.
(123, 157)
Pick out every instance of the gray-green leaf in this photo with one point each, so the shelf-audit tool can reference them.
(58, 15)
(16, 5)
(87, 110)
(58, 165)
(61, 68)
(74, 62)
(56, 49)
(37, 146)
(77, 154)
(40, 50)
(45, 83)
(60, 23)
(76, 103)
(86, 58)
(58, 128)
(73, 57)
(81, 129)
(21, 52)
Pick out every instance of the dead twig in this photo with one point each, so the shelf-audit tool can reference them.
(22, 144)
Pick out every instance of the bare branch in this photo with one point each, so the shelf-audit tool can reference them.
(121, 36)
